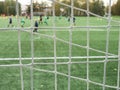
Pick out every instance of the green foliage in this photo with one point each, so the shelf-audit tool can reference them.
(44, 47)
(2, 7)
(116, 8)
(57, 9)
(97, 7)
(8, 7)
(37, 7)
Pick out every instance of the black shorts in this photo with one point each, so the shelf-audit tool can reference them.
(41, 19)
(10, 22)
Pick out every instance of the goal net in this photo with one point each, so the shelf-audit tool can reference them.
(69, 53)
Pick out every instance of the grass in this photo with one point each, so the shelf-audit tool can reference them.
(44, 47)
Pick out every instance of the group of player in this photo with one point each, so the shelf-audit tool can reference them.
(73, 20)
(38, 21)
(11, 22)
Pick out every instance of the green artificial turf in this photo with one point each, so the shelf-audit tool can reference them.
(44, 47)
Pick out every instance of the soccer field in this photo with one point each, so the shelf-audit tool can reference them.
(44, 54)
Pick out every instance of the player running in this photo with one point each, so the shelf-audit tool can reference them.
(36, 26)
(41, 20)
(45, 20)
(10, 22)
(22, 22)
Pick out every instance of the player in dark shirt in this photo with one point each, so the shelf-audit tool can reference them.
(10, 22)
(40, 22)
(36, 26)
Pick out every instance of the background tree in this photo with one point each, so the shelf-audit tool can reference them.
(57, 9)
(114, 11)
(37, 7)
(78, 5)
(97, 7)
(2, 7)
(67, 10)
(116, 8)
(8, 7)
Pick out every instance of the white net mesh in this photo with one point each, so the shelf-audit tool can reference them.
(62, 55)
